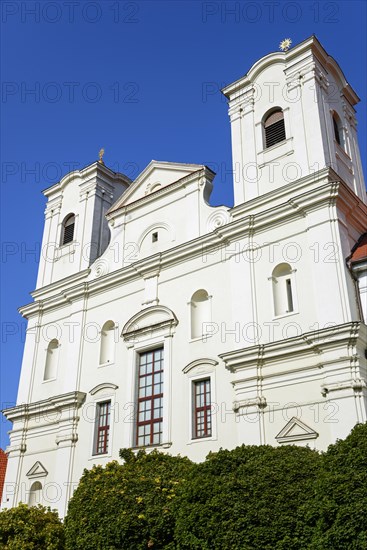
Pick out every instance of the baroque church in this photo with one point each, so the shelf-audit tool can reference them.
(159, 321)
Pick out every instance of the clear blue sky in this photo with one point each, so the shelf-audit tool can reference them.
(131, 77)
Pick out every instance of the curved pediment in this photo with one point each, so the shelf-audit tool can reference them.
(103, 386)
(203, 363)
(286, 59)
(151, 319)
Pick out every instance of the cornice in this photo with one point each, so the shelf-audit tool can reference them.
(310, 343)
(46, 298)
(353, 207)
(244, 225)
(95, 169)
(355, 384)
(283, 192)
(257, 402)
(57, 402)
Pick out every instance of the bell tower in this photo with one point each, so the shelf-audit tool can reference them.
(292, 115)
(76, 230)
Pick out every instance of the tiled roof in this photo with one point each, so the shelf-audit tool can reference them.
(359, 251)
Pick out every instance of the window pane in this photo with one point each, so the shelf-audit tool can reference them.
(102, 427)
(202, 409)
(150, 409)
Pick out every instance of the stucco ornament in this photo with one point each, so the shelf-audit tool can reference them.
(100, 268)
(285, 44)
(217, 219)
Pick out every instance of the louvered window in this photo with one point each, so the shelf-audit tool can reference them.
(68, 229)
(274, 128)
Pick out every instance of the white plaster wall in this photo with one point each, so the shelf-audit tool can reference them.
(268, 369)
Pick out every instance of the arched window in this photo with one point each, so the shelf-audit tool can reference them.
(274, 128)
(68, 226)
(35, 494)
(52, 357)
(106, 354)
(338, 130)
(283, 292)
(200, 313)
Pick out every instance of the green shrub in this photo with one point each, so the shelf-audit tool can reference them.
(129, 506)
(248, 498)
(31, 528)
(339, 513)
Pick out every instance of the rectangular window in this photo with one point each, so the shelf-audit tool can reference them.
(150, 398)
(102, 427)
(202, 409)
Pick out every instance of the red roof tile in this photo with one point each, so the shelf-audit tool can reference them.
(359, 251)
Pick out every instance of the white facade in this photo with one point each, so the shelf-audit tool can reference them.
(254, 306)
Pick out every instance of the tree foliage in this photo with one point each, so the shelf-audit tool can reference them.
(248, 498)
(129, 506)
(30, 528)
(338, 514)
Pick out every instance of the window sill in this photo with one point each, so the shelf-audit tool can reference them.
(343, 157)
(108, 364)
(101, 455)
(166, 445)
(203, 338)
(64, 250)
(49, 380)
(340, 149)
(289, 314)
(195, 440)
(281, 149)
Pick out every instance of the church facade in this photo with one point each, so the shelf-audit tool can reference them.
(159, 321)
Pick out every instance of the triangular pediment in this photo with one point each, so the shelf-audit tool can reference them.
(37, 470)
(295, 430)
(155, 176)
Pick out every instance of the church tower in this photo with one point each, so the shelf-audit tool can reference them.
(291, 116)
(76, 230)
(161, 321)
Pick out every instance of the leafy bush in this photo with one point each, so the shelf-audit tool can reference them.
(338, 514)
(31, 528)
(248, 498)
(129, 506)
